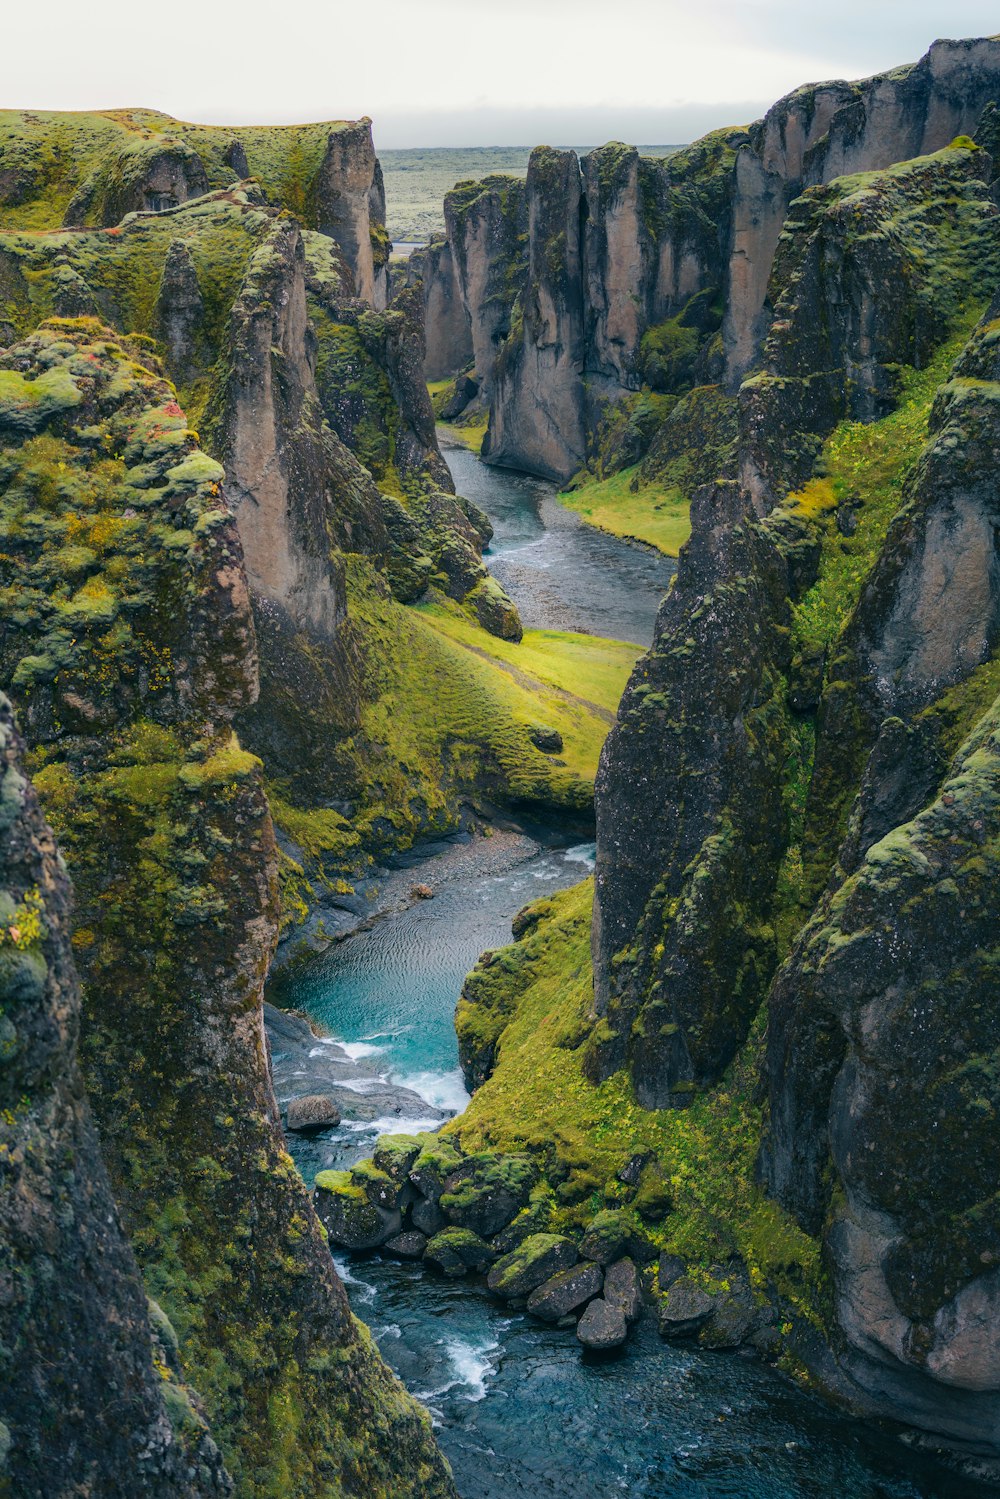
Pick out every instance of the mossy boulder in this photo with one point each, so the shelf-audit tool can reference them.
(566, 1291)
(606, 1239)
(349, 1216)
(537, 1259)
(457, 1251)
(487, 1191)
(685, 1309)
(395, 1154)
(432, 1167)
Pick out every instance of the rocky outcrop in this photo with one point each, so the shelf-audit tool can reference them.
(446, 322)
(130, 648)
(681, 942)
(831, 130)
(868, 274)
(670, 281)
(536, 419)
(80, 1399)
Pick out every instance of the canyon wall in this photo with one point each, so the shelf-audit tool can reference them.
(663, 281)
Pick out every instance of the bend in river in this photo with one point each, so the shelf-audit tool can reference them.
(518, 1412)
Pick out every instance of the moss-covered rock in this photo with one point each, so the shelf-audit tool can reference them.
(534, 1261)
(457, 1251)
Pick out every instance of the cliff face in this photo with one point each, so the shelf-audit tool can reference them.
(670, 275)
(537, 409)
(93, 169)
(804, 766)
(80, 1399)
(130, 648)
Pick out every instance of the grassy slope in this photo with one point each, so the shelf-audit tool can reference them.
(657, 515)
(446, 714)
(538, 1095)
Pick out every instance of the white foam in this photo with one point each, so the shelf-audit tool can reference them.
(365, 1291)
(582, 853)
(357, 1050)
(391, 1124)
(445, 1090)
(471, 1367)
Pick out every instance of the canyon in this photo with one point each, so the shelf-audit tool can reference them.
(259, 652)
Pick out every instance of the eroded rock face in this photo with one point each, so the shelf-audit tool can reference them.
(536, 420)
(350, 199)
(868, 273)
(830, 130)
(80, 1400)
(668, 283)
(168, 837)
(680, 914)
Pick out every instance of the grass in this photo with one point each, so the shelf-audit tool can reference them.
(538, 1098)
(659, 516)
(869, 462)
(469, 431)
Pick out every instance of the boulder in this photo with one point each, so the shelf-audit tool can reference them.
(313, 1112)
(408, 1246)
(533, 1219)
(606, 1238)
(427, 1217)
(602, 1326)
(671, 1267)
(487, 1192)
(349, 1217)
(623, 1288)
(685, 1309)
(536, 1260)
(564, 1293)
(380, 1188)
(395, 1154)
(432, 1167)
(422, 892)
(546, 739)
(456, 1251)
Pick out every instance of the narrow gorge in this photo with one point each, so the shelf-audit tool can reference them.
(500, 810)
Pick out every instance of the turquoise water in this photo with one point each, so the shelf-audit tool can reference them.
(390, 992)
(518, 1411)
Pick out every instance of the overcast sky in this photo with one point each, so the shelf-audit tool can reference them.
(463, 72)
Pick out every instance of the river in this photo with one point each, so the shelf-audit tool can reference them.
(519, 1413)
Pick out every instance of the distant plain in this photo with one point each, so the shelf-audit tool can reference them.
(416, 181)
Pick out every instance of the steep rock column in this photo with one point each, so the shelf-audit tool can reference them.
(349, 200)
(883, 1026)
(128, 682)
(487, 227)
(272, 453)
(81, 1403)
(618, 258)
(690, 821)
(537, 416)
(447, 327)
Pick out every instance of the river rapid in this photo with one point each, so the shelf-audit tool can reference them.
(518, 1411)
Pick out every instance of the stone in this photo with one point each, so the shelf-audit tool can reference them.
(670, 1268)
(623, 1288)
(546, 739)
(427, 1217)
(350, 1219)
(395, 1154)
(606, 1238)
(602, 1326)
(536, 1260)
(313, 1112)
(685, 1309)
(456, 1251)
(487, 1192)
(563, 1293)
(422, 892)
(407, 1246)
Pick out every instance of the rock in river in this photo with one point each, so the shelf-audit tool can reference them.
(602, 1326)
(564, 1293)
(314, 1111)
(536, 1260)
